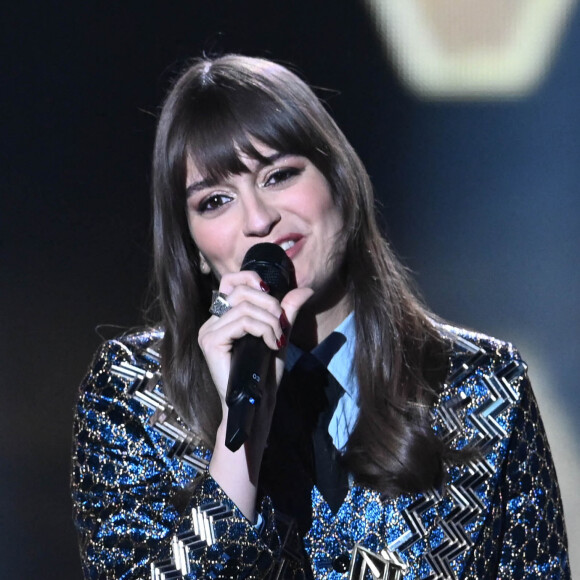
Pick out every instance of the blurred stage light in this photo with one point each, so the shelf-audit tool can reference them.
(471, 48)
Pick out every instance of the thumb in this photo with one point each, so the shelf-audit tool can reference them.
(293, 302)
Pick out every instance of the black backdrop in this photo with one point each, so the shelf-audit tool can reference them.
(480, 199)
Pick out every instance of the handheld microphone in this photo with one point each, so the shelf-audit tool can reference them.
(251, 358)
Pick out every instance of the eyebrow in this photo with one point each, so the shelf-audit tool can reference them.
(203, 183)
(199, 185)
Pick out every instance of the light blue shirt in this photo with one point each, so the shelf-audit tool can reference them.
(341, 368)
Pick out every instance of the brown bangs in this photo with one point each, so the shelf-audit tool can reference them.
(223, 123)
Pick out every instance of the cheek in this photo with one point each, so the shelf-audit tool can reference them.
(316, 204)
(325, 206)
(332, 217)
(213, 244)
(201, 236)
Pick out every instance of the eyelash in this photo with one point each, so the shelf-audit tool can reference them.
(281, 175)
(276, 177)
(204, 206)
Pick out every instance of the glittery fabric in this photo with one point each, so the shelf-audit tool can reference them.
(133, 460)
(498, 517)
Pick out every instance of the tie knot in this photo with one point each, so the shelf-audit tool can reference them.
(329, 347)
(319, 358)
(314, 382)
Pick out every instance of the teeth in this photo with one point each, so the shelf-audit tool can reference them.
(287, 245)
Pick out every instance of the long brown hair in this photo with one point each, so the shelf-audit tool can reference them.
(215, 111)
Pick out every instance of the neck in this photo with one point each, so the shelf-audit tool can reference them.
(315, 322)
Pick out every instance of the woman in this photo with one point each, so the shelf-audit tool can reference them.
(386, 443)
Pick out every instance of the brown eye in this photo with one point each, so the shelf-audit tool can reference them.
(281, 175)
(213, 202)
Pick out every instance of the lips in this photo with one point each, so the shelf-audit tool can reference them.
(291, 244)
(287, 244)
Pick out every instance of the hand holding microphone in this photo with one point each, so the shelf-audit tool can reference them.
(251, 357)
(242, 343)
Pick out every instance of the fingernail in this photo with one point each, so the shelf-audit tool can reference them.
(281, 342)
(284, 323)
(264, 286)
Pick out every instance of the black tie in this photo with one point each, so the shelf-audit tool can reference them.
(300, 450)
(329, 476)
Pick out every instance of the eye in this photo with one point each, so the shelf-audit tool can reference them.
(281, 175)
(213, 202)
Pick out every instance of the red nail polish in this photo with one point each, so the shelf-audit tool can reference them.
(284, 323)
(264, 287)
(281, 342)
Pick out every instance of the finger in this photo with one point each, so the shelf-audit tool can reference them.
(226, 331)
(248, 278)
(269, 313)
(263, 308)
(244, 294)
(293, 302)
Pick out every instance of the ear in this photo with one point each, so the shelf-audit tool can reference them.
(203, 265)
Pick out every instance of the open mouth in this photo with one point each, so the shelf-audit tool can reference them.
(287, 245)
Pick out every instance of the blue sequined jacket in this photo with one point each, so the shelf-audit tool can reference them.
(145, 506)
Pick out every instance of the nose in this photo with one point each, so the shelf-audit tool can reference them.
(260, 216)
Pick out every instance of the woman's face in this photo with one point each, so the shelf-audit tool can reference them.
(286, 201)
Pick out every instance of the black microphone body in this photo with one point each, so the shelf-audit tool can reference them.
(251, 358)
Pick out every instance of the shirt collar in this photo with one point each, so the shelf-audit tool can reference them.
(340, 365)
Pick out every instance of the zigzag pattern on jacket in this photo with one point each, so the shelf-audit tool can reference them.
(488, 419)
(462, 494)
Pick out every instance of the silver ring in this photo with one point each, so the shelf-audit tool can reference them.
(219, 303)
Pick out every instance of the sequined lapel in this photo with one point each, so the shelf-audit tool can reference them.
(432, 532)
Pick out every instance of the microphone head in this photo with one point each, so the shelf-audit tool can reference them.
(274, 267)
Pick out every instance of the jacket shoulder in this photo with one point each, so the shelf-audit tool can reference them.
(127, 357)
(142, 338)
(464, 341)
(486, 381)
(473, 352)
(127, 370)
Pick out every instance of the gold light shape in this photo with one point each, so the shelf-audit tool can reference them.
(471, 48)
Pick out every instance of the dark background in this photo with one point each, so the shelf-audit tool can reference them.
(481, 200)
